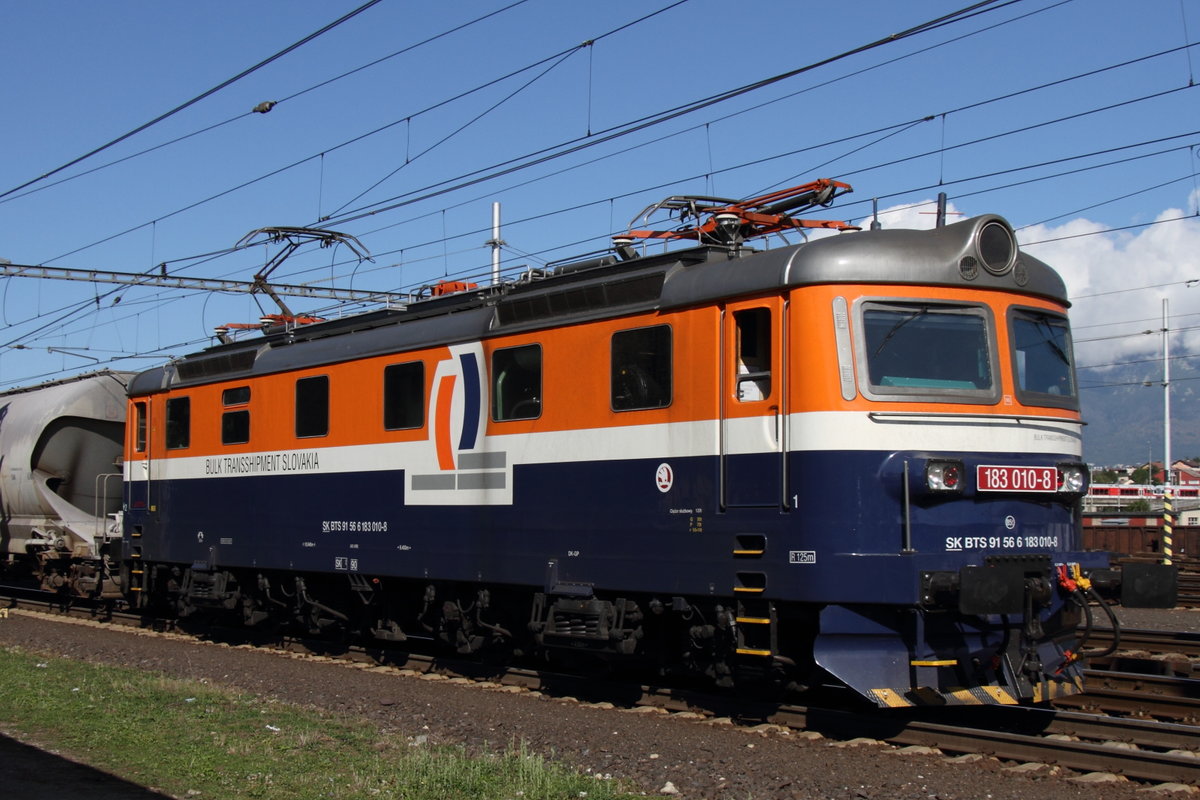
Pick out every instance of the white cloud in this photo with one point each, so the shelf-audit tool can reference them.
(1117, 282)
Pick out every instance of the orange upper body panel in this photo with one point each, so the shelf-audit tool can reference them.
(576, 375)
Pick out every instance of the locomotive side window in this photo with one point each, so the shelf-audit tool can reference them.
(939, 352)
(235, 425)
(1041, 353)
(641, 368)
(139, 430)
(753, 354)
(312, 406)
(236, 396)
(404, 396)
(179, 422)
(517, 383)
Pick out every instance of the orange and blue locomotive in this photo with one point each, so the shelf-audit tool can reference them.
(856, 459)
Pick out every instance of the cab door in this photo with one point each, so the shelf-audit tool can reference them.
(753, 422)
(137, 479)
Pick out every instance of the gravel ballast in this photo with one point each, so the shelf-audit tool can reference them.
(663, 754)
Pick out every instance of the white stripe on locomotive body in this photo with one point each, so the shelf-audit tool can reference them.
(944, 432)
(485, 476)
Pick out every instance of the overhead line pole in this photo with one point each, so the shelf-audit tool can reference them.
(1166, 394)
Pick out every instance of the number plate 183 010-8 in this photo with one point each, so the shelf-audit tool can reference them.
(995, 478)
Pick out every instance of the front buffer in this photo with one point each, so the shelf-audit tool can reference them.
(1001, 633)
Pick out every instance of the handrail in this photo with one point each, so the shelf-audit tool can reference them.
(101, 502)
(992, 417)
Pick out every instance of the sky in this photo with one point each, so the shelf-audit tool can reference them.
(401, 125)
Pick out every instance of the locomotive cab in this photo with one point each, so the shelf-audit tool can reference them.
(959, 397)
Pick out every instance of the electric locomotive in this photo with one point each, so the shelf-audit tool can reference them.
(855, 459)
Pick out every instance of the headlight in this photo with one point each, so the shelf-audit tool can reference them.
(997, 247)
(943, 476)
(1072, 478)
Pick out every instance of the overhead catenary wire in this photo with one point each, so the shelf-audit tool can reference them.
(1076, 328)
(410, 159)
(1184, 282)
(663, 186)
(1133, 334)
(1184, 357)
(356, 139)
(1097, 232)
(1151, 382)
(635, 191)
(228, 82)
(566, 245)
(901, 126)
(326, 150)
(642, 123)
(878, 65)
(275, 103)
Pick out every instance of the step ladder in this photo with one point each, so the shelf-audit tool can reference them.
(137, 567)
(756, 620)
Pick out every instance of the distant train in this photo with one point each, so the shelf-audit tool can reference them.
(1141, 490)
(853, 460)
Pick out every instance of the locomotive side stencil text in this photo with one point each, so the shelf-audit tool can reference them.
(956, 544)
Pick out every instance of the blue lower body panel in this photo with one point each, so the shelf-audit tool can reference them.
(849, 557)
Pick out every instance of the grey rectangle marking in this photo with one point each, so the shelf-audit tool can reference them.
(442, 481)
(481, 480)
(489, 460)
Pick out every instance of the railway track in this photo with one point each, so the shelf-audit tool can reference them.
(1164, 697)
(1161, 643)
(1139, 749)
(1149, 750)
(1189, 588)
(1152, 675)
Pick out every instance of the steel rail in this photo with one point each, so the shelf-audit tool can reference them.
(1148, 695)
(1161, 642)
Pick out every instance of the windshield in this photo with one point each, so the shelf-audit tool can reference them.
(928, 349)
(1042, 359)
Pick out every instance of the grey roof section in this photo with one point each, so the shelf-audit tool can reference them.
(148, 382)
(466, 325)
(927, 257)
(607, 288)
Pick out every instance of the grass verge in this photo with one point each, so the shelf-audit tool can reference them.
(191, 739)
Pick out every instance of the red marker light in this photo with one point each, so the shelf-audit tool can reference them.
(950, 476)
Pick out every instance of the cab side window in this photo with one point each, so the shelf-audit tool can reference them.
(179, 422)
(403, 396)
(517, 383)
(235, 424)
(641, 368)
(753, 353)
(139, 427)
(312, 406)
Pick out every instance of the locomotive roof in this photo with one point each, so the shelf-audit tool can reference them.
(608, 287)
